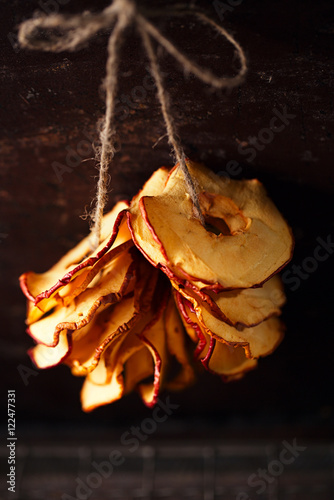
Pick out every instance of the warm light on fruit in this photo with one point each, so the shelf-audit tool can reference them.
(164, 294)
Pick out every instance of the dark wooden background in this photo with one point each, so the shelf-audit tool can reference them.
(49, 107)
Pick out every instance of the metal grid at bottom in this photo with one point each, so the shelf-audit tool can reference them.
(287, 470)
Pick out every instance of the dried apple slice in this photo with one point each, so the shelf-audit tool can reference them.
(153, 187)
(154, 338)
(164, 340)
(94, 394)
(128, 313)
(34, 313)
(140, 364)
(65, 290)
(114, 283)
(88, 343)
(46, 357)
(191, 325)
(216, 356)
(246, 307)
(257, 341)
(138, 367)
(82, 348)
(75, 288)
(105, 383)
(66, 294)
(112, 323)
(225, 360)
(37, 287)
(177, 347)
(258, 245)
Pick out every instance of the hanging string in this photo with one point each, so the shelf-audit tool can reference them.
(173, 139)
(201, 73)
(72, 33)
(107, 134)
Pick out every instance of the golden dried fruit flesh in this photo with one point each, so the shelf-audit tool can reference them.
(99, 388)
(114, 283)
(245, 307)
(257, 245)
(216, 356)
(257, 341)
(117, 320)
(77, 268)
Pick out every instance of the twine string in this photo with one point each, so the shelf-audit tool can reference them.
(203, 74)
(173, 138)
(64, 33)
(74, 32)
(108, 131)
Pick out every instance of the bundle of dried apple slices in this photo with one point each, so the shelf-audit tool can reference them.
(224, 274)
(114, 318)
(110, 316)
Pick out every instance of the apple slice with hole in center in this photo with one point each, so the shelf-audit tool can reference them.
(244, 243)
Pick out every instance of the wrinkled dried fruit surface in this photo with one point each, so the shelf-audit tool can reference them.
(256, 244)
(162, 295)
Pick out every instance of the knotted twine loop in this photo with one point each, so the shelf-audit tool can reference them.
(72, 33)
